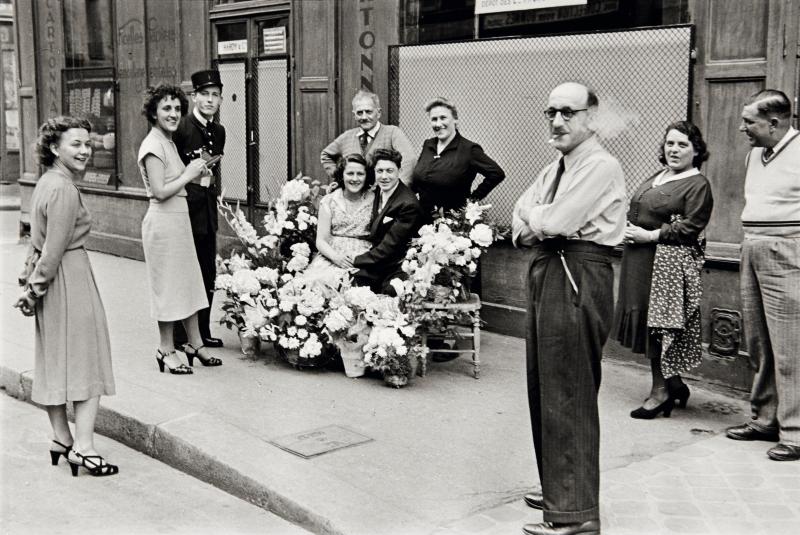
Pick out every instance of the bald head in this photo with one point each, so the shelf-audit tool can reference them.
(569, 127)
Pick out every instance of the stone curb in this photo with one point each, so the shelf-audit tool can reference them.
(160, 442)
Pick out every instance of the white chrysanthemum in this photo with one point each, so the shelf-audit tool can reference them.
(300, 320)
(224, 282)
(312, 347)
(481, 234)
(245, 282)
(294, 190)
(302, 334)
(301, 248)
(267, 275)
(297, 263)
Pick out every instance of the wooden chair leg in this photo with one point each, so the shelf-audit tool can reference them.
(476, 345)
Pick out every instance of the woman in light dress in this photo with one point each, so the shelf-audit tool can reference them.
(176, 284)
(343, 222)
(72, 349)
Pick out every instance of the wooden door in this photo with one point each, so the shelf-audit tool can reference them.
(314, 83)
(742, 47)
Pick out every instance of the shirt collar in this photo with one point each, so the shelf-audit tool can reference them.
(372, 132)
(683, 174)
(787, 137)
(385, 196)
(587, 146)
(199, 116)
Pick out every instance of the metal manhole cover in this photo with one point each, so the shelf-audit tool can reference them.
(308, 444)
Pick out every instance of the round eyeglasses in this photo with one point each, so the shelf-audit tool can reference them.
(566, 113)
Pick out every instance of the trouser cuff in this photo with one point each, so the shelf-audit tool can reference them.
(564, 517)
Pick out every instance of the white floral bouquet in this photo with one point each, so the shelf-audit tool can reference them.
(443, 258)
(296, 321)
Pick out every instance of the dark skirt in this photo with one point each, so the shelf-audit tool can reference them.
(630, 315)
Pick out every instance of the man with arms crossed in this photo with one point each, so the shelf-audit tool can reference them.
(770, 273)
(369, 136)
(570, 219)
(199, 136)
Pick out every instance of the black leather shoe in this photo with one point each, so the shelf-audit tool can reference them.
(212, 342)
(590, 527)
(534, 498)
(784, 452)
(745, 432)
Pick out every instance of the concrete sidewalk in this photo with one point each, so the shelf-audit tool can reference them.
(448, 454)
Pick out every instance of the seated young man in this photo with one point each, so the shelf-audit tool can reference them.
(396, 218)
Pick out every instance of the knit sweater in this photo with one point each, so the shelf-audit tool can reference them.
(772, 191)
(387, 137)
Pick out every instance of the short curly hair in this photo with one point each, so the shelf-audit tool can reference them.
(338, 175)
(154, 95)
(441, 102)
(695, 138)
(50, 134)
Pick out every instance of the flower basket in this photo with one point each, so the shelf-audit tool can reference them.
(352, 354)
(292, 356)
(251, 344)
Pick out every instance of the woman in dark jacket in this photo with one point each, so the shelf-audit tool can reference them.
(671, 207)
(449, 163)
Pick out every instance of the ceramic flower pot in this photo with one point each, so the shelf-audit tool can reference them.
(251, 344)
(352, 358)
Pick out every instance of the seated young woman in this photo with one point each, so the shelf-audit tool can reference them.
(343, 222)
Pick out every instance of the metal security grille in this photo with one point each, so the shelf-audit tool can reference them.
(273, 138)
(233, 116)
(500, 87)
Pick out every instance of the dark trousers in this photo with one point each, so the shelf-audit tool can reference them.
(564, 340)
(206, 247)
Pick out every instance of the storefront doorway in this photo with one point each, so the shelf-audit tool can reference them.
(252, 56)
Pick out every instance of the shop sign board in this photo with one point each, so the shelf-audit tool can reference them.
(238, 46)
(274, 40)
(483, 7)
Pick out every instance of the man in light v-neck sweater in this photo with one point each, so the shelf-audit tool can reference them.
(369, 136)
(770, 273)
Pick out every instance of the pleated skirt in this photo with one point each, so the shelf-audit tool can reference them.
(173, 271)
(72, 360)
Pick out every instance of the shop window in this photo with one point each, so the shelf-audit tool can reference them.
(87, 33)
(90, 93)
(8, 71)
(89, 87)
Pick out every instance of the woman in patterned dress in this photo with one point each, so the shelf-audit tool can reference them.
(176, 283)
(343, 222)
(72, 349)
(671, 207)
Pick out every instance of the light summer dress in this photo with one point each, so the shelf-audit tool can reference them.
(350, 223)
(176, 283)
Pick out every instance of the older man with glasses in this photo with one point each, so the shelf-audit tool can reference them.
(569, 220)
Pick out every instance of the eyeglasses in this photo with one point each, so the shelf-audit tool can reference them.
(566, 113)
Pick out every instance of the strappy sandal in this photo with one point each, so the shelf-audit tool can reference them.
(95, 464)
(192, 352)
(54, 455)
(183, 369)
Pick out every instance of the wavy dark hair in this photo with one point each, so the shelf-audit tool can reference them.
(154, 95)
(338, 175)
(50, 134)
(695, 137)
(386, 154)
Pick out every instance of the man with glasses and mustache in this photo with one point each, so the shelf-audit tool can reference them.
(569, 220)
(369, 136)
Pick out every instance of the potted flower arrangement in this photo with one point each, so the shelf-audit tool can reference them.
(393, 345)
(297, 322)
(443, 258)
(253, 275)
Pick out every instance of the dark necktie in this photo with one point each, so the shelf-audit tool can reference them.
(556, 181)
(363, 139)
(768, 152)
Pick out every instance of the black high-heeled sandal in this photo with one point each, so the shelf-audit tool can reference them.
(183, 369)
(192, 352)
(54, 455)
(648, 414)
(95, 464)
(681, 395)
